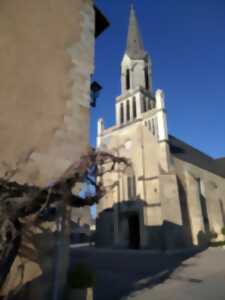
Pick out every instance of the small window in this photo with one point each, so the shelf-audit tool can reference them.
(121, 114)
(128, 110)
(146, 78)
(153, 127)
(128, 79)
(134, 108)
(144, 106)
(149, 103)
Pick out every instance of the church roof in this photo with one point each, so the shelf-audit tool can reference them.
(193, 156)
(135, 45)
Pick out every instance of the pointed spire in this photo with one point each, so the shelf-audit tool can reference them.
(135, 45)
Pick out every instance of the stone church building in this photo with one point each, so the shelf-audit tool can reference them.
(173, 196)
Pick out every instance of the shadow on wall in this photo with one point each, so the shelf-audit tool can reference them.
(185, 213)
(44, 254)
(131, 228)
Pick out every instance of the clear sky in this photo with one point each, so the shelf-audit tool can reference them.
(186, 41)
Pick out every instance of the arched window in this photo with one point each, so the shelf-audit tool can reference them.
(131, 186)
(121, 113)
(144, 106)
(134, 108)
(156, 128)
(128, 110)
(128, 79)
(203, 203)
(149, 104)
(146, 78)
(153, 126)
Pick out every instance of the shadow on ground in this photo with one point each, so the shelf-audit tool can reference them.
(121, 273)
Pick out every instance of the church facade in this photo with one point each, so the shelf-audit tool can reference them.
(173, 195)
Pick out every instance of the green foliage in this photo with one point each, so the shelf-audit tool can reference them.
(217, 244)
(81, 277)
(223, 230)
(212, 235)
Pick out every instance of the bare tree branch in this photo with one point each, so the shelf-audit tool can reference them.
(18, 202)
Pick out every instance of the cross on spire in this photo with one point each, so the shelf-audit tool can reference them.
(135, 45)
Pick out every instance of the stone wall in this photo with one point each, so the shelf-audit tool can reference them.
(46, 58)
(137, 144)
(214, 194)
(172, 214)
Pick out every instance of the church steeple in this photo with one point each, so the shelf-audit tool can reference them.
(135, 46)
(136, 77)
(136, 69)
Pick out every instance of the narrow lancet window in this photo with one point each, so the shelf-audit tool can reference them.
(134, 108)
(134, 187)
(146, 78)
(144, 106)
(203, 203)
(128, 79)
(128, 110)
(153, 127)
(149, 104)
(121, 114)
(131, 186)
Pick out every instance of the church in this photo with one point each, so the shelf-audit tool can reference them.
(173, 195)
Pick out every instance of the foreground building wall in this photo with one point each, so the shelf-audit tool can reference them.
(46, 59)
(44, 85)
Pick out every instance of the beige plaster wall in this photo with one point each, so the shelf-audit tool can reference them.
(46, 59)
(136, 143)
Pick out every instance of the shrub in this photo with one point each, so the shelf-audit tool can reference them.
(212, 235)
(223, 230)
(217, 244)
(81, 277)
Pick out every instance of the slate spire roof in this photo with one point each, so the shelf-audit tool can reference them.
(135, 45)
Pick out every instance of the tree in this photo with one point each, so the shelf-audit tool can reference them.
(23, 206)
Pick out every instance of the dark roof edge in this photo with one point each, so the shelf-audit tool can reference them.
(101, 22)
(192, 147)
(188, 153)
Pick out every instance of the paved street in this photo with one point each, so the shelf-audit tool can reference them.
(198, 278)
(143, 275)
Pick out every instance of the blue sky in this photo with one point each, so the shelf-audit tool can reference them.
(186, 41)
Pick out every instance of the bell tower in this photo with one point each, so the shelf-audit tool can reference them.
(138, 104)
(136, 77)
